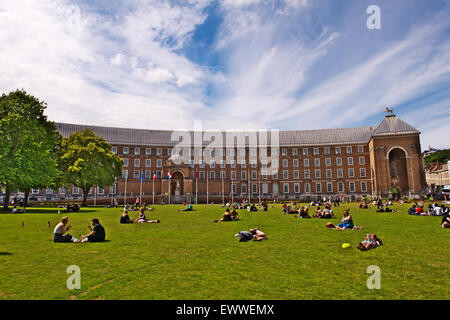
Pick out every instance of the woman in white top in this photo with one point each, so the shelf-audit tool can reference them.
(59, 233)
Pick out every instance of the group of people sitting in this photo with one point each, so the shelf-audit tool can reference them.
(433, 210)
(247, 205)
(60, 233)
(17, 210)
(326, 213)
(229, 215)
(386, 207)
(125, 218)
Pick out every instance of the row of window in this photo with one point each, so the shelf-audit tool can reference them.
(253, 163)
(76, 190)
(306, 189)
(254, 174)
(253, 152)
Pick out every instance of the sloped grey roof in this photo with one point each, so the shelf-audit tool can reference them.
(393, 125)
(144, 137)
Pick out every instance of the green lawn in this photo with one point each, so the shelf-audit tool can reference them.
(187, 256)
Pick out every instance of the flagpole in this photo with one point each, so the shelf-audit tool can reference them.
(153, 190)
(207, 190)
(231, 189)
(140, 197)
(125, 194)
(223, 195)
(196, 187)
(249, 189)
(259, 187)
(169, 188)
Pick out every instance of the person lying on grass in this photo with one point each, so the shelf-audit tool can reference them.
(143, 219)
(125, 218)
(371, 241)
(97, 233)
(254, 234)
(59, 233)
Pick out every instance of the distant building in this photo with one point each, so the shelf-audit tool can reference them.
(437, 175)
(430, 151)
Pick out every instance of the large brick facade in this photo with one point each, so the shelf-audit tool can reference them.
(313, 164)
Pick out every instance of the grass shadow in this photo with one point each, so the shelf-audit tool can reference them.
(6, 254)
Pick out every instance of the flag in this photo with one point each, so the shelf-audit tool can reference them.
(169, 176)
(142, 178)
(154, 176)
(196, 175)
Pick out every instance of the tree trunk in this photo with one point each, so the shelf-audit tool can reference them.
(7, 196)
(85, 196)
(25, 198)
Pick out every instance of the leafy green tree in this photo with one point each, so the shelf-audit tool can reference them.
(87, 161)
(28, 144)
(439, 156)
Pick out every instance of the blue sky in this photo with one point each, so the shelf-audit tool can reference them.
(233, 64)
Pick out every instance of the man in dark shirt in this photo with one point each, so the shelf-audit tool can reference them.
(445, 223)
(97, 232)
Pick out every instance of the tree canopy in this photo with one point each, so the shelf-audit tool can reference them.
(87, 161)
(28, 146)
(439, 156)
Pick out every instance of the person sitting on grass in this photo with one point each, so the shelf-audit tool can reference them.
(328, 213)
(363, 205)
(97, 233)
(318, 212)
(445, 223)
(264, 206)
(437, 211)
(253, 207)
(234, 215)
(125, 218)
(59, 233)
(303, 213)
(226, 216)
(412, 210)
(371, 241)
(419, 210)
(189, 208)
(444, 210)
(346, 222)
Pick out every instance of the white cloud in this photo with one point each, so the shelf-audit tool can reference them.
(94, 69)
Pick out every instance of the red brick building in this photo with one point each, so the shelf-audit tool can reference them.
(349, 162)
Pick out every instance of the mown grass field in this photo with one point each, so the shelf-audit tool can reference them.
(187, 256)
